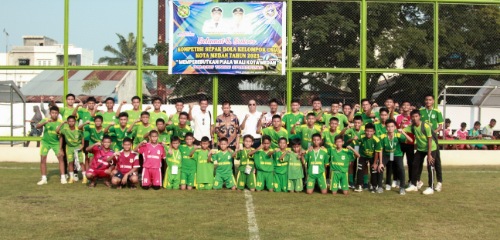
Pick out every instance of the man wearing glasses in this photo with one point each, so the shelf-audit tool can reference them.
(249, 124)
(201, 121)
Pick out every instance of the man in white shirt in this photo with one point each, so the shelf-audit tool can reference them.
(201, 121)
(215, 25)
(273, 110)
(249, 124)
(488, 133)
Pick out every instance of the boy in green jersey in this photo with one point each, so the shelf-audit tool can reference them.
(87, 114)
(275, 131)
(342, 119)
(50, 140)
(319, 115)
(316, 159)
(96, 133)
(292, 118)
(306, 131)
(174, 118)
(353, 133)
(181, 128)
(188, 170)
(134, 114)
(264, 165)
(340, 159)
(70, 110)
(368, 115)
(296, 166)
(392, 155)
(141, 128)
(475, 133)
(118, 132)
(246, 170)
(204, 168)
(223, 160)
(74, 145)
(370, 150)
(174, 165)
(109, 117)
(280, 167)
(380, 128)
(331, 132)
(156, 113)
(431, 115)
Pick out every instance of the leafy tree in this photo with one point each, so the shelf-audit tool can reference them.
(125, 54)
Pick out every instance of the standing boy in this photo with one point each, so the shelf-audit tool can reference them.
(204, 168)
(306, 131)
(264, 165)
(50, 140)
(74, 145)
(316, 159)
(118, 132)
(188, 170)
(296, 166)
(223, 159)
(275, 131)
(174, 165)
(109, 117)
(153, 154)
(280, 167)
(292, 118)
(340, 159)
(370, 150)
(246, 170)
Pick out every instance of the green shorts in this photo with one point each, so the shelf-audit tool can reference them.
(264, 179)
(280, 182)
(171, 181)
(220, 180)
(204, 186)
(45, 148)
(339, 180)
(247, 180)
(188, 179)
(295, 185)
(317, 178)
(70, 154)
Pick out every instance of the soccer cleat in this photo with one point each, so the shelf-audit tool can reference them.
(438, 187)
(359, 189)
(380, 190)
(84, 181)
(420, 184)
(71, 180)
(402, 191)
(428, 191)
(63, 181)
(412, 188)
(388, 187)
(42, 182)
(75, 177)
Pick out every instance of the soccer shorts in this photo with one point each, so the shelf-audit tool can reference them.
(45, 148)
(98, 173)
(120, 175)
(171, 181)
(280, 182)
(220, 180)
(70, 154)
(188, 179)
(264, 180)
(151, 176)
(295, 185)
(316, 178)
(204, 186)
(247, 180)
(339, 180)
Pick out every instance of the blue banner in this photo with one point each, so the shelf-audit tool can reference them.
(227, 38)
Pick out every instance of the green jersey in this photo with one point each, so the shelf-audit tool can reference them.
(433, 117)
(108, 118)
(94, 134)
(393, 145)
(339, 160)
(85, 116)
(118, 134)
(175, 119)
(188, 163)
(369, 146)
(367, 119)
(295, 170)
(421, 139)
(280, 166)
(380, 129)
(224, 162)
(164, 137)
(263, 162)
(275, 135)
(329, 137)
(291, 119)
(245, 160)
(351, 133)
(139, 131)
(179, 131)
(204, 169)
(73, 137)
(133, 116)
(316, 161)
(343, 121)
(50, 135)
(66, 112)
(322, 120)
(174, 159)
(153, 116)
(305, 133)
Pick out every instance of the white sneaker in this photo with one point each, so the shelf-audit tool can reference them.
(42, 182)
(388, 187)
(420, 184)
(358, 189)
(63, 181)
(428, 191)
(393, 184)
(75, 177)
(396, 183)
(412, 188)
(438, 187)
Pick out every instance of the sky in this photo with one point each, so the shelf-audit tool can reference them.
(93, 24)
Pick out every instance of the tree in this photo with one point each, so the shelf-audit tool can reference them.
(125, 54)
(91, 84)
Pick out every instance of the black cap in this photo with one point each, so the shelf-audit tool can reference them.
(216, 9)
(238, 10)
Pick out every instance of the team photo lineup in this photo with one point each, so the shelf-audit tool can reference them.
(329, 150)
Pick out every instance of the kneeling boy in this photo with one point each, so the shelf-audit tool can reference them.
(127, 164)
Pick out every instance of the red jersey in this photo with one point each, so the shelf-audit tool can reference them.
(152, 154)
(99, 162)
(125, 163)
(403, 122)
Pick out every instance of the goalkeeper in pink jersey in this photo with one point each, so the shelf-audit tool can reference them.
(153, 154)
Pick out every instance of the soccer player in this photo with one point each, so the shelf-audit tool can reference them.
(109, 117)
(426, 147)
(95, 132)
(87, 114)
(264, 165)
(275, 131)
(346, 110)
(141, 128)
(99, 168)
(127, 164)
(223, 159)
(118, 132)
(332, 131)
(74, 145)
(352, 134)
(431, 115)
(280, 166)
(134, 114)
(153, 153)
(403, 120)
(391, 107)
(367, 115)
(267, 121)
(370, 150)
(319, 114)
(70, 110)
(50, 140)
(180, 129)
(306, 131)
(380, 124)
(292, 118)
(188, 170)
(296, 166)
(340, 159)
(156, 113)
(316, 159)
(174, 165)
(475, 133)
(392, 156)
(246, 170)
(204, 169)
(174, 118)
(342, 119)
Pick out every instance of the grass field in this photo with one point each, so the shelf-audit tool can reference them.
(467, 208)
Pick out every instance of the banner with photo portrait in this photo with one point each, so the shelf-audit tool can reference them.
(227, 38)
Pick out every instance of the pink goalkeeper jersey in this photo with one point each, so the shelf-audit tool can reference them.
(125, 163)
(462, 135)
(153, 154)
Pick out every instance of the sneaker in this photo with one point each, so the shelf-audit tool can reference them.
(66, 176)
(420, 184)
(359, 189)
(351, 186)
(71, 180)
(380, 190)
(402, 191)
(412, 188)
(396, 183)
(84, 181)
(388, 187)
(75, 177)
(42, 182)
(428, 191)
(63, 181)
(393, 185)
(438, 187)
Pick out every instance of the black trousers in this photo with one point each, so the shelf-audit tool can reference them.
(418, 166)
(362, 167)
(409, 151)
(397, 166)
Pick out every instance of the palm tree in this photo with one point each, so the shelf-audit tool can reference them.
(125, 55)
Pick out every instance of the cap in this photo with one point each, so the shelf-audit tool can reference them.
(238, 10)
(216, 9)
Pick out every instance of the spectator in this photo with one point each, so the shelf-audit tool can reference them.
(201, 121)
(475, 133)
(462, 134)
(273, 110)
(35, 132)
(448, 134)
(488, 132)
(249, 124)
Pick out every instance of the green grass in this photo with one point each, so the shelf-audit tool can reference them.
(468, 207)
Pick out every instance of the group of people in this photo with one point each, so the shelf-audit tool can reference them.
(475, 132)
(285, 151)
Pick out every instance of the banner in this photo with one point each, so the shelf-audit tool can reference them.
(227, 38)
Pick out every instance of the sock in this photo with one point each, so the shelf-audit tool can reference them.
(351, 178)
(84, 174)
(44, 177)
(365, 179)
(63, 176)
